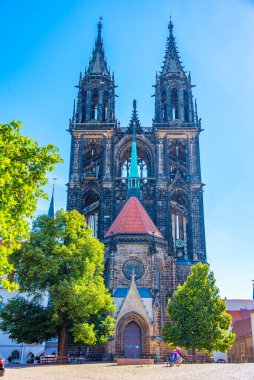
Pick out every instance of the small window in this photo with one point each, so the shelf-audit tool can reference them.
(15, 355)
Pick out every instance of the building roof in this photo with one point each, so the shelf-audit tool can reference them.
(242, 327)
(133, 219)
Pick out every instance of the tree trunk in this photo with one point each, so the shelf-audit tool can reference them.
(194, 354)
(62, 343)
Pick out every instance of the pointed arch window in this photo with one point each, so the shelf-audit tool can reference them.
(105, 107)
(142, 168)
(174, 99)
(91, 211)
(94, 114)
(179, 223)
(186, 105)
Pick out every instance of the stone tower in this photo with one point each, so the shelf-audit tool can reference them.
(168, 157)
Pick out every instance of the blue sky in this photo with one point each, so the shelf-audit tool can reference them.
(45, 44)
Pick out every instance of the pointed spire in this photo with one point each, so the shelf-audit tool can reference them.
(134, 179)
(172, 62)
(134, 119)
(98, 62)
(52, 207)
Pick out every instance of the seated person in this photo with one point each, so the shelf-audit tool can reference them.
(174, 358)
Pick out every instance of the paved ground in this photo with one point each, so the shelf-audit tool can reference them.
(102, 371)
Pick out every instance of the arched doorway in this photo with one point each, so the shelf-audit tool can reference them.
(132, 341)
(144, 333)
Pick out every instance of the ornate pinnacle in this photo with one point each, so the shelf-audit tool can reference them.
(170, 26)
(99, 28)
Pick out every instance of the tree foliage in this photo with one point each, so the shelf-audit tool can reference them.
(63, 259)
(23, 168)
(27, 321)
(199, 317)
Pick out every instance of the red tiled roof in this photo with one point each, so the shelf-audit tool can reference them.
(237, 315)
(133, 219)
(242, 327)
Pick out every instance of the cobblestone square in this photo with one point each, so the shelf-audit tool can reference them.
(109, 371)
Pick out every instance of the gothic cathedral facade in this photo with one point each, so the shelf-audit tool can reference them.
(140, 191)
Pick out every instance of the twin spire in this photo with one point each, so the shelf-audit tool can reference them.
(172, 62)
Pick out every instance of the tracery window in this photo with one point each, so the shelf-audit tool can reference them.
(142, 168)
(91, 211)
(179, 222)
(92, 159)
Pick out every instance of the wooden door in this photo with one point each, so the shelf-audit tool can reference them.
(132, 341)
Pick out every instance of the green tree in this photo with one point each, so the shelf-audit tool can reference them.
(199, 317)
(62, 259)
(23, 168)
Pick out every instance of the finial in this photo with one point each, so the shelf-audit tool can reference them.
(134, 105)
(99, 27)
(170, 26)
(133, 276)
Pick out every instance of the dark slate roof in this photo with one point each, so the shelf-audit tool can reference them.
(133, 219)
(143, 292)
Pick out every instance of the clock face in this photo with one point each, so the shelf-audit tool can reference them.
(133, 265)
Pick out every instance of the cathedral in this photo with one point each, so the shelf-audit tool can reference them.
(140, 190)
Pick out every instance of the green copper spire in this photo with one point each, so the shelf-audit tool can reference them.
(133, 180)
